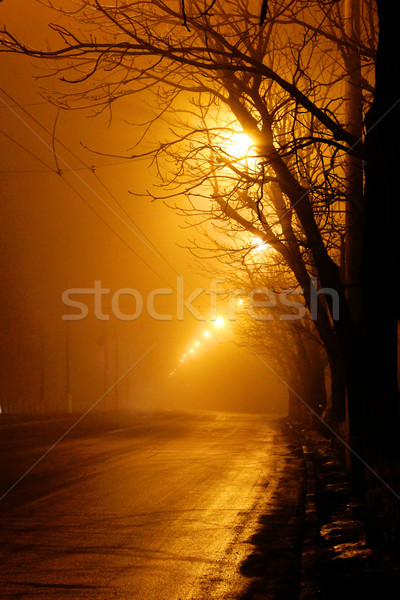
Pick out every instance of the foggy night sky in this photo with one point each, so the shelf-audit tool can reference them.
(51, 240)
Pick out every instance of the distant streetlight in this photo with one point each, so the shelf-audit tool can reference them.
(196, 343)
(219, 322)
(206, 334)
(191, 350)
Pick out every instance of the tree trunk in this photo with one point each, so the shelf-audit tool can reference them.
(294, 412)
(380, 286)
(336, 412)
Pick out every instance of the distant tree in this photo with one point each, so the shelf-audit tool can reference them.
(282, 334)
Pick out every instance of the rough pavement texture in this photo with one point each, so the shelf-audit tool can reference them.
(343, 565)
(174, 506)
(275, 563)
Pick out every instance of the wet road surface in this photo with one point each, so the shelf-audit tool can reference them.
(146, 507)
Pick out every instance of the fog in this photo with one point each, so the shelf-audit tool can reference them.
(70, 230)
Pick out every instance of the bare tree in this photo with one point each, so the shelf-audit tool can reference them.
(279, 329)
(282, 85)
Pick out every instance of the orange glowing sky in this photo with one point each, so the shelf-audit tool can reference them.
(65, 231)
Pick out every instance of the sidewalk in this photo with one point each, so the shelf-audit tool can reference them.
(336, 562)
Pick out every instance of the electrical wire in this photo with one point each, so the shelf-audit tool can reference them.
(61, 172)
(92, 169)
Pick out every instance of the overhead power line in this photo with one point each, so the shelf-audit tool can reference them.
(9, 137)
(60, 172)
(64, 163)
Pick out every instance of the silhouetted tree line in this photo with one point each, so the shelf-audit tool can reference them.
(319, 188)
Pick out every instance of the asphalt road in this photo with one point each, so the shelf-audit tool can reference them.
(146, 507)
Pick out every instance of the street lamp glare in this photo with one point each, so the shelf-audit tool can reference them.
(239, 144)
(219, 322)
(259, 245)
(206, 334)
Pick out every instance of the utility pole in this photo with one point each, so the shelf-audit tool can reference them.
(105, 361)
(68, 368)
(42, 373)
(355, 209)
(353, 166)
(116, 365)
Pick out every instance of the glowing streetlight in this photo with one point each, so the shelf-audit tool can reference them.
(196, 343)
(219, 322)
(191, 350)
(238, 144)
(259, 244)
(206, 334)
